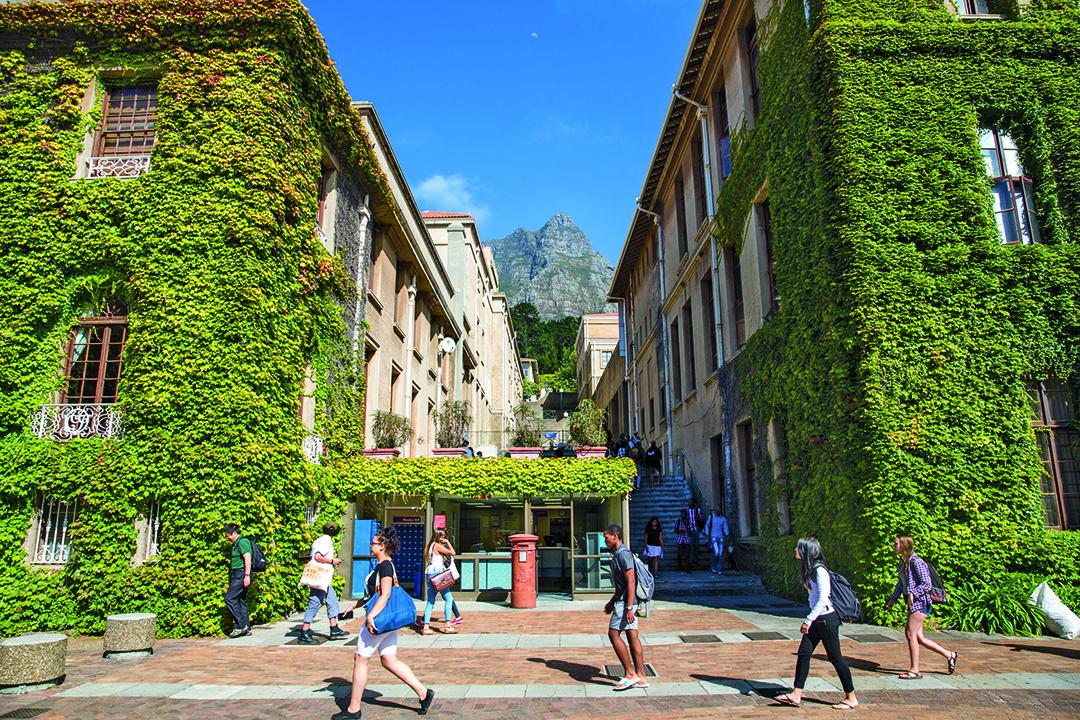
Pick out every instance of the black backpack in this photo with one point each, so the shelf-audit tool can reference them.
(258, 557)
(843, 598)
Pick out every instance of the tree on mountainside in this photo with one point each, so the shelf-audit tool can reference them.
(549, 342)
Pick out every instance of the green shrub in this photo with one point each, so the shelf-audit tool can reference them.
(1002, 607)
(525, 430)
(587, 424)
(452, 424)
(389, 430)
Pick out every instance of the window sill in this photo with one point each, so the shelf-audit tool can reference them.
(963, 17)
(713, 377)
(418, 356)
(398, 331)
(432, 375)
(692, 395)
(737, 353)
(375, 301)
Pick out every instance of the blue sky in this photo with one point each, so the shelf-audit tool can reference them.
(516, 110)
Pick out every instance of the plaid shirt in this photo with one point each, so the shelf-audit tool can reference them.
(683, 530)
(915, 580)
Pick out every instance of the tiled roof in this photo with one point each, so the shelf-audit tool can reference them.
(435, 215)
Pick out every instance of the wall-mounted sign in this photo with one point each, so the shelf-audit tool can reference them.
(408, 520)
(440, 522)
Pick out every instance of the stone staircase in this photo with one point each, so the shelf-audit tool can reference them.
(666, 501)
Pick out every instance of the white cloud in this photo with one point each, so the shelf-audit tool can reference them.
(534, 35)
(451, 193)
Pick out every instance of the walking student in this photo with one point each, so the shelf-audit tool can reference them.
(653, 464)
(239, 580)
(914, 585)
(621, 607)
(697, 524)
(439, 554)
(654, 545)
(716, 529)
(381, 580)
(684, 530)
(322, 551)
(822, 625)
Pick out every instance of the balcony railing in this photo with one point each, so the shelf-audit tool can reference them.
(68, 421)
(126, 166)
(313, 449)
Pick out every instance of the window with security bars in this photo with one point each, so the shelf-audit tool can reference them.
(764, 219)
(1014, 191)
(95, 357)
(129, 121)
(52, 545)
(753, 60)
(153, 530)
(1053, 414)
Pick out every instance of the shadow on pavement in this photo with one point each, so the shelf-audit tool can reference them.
(1065, 652)
(737, 683)
(577, 671)
(862, 664)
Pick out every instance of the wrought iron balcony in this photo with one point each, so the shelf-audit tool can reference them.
(126, 166)
(313, 449)
(67, 421)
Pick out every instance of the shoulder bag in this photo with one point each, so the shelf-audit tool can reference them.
(398, 612)
(317, 575)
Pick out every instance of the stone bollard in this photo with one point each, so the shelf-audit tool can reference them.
(129, 635)
(32, 662)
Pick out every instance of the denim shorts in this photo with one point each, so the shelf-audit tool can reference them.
(925, 607)
(618, 618)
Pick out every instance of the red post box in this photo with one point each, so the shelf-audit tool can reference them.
(523, 570)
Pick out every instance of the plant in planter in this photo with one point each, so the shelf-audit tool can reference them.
(451, 425)
(524, 433)
(390, 431)
(586, 425)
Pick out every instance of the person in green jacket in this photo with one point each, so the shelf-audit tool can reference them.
(239, 580)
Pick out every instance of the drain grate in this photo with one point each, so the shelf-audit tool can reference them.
(694, 639)
(616, 671)
(765, 635)
(871, 638)
(27, 712)
(319, 640)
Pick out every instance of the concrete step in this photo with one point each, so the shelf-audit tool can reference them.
(672, 584)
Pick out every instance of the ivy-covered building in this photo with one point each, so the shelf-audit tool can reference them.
(852, 288)
(180, 315)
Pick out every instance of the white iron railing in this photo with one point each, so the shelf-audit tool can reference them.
(313, 449)
(53, 543)
(311, 513)
(67, 421)
(153, 530)
(127, 166)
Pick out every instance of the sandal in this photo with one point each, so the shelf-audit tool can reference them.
(910, 676)
(787, 701)
(952, 663)
(449, 630)
(844, 705)
(624, 684)
(427, 631)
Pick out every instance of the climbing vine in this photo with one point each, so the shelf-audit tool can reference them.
(230, 296)
(897, 365)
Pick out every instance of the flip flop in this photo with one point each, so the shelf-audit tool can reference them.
(786, 701)
(952, 663)
(910, 676)
(624, 684)
(844, 705)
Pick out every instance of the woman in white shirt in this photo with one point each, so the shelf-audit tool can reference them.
(821, 625)
(322, 551)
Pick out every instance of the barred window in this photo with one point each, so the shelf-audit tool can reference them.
(128, 125)
(753, 57)
(1053, 415)
(52, 545)
(153, 530)
(311, 513)
(1014, 191)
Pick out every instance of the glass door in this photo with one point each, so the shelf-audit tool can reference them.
(553, 525)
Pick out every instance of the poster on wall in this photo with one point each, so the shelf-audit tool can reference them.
(440, 522)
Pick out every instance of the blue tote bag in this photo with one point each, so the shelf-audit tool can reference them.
(399, 611)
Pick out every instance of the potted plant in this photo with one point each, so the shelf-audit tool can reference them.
(586, 425)
(451, 425)
(390, 432)
(524, 434)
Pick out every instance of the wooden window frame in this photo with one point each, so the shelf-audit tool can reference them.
(708, 311)
(1048, 427)
(103, 133)
(1022, 186)
(723, 132)
(109, 324)
(764, 218)
(738, 305)
(690, 378)
(753, 62)
(680, 217)
(676, 360)
(700, 195)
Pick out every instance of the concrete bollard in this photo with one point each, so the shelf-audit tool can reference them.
(129, 635)
(32, 662)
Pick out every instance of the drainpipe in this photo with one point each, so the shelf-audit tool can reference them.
(665, 333)
(632, 362)
(410, 340)
(703, 118)
(624, 340)
(361, 256)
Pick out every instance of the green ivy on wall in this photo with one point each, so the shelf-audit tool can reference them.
(230, 295)
(896, 366)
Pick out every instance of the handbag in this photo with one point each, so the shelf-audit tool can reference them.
(317, 575)
(398, 612)
(443, 580)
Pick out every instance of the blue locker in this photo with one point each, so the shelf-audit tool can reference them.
(409, 559)
(362, 561)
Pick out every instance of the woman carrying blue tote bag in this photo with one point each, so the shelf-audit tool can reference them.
(389, 609)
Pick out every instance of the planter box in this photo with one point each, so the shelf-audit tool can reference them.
(447, 452)
(591, 451)
(382, 453)
(525, 453)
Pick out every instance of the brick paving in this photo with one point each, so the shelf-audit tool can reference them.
(998, 677)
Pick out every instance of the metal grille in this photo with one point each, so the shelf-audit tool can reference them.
(153, 530)
(765, 635)
(313, 449)
(127, 166)
(616, 671)
(25, 712)
(53, 543)
(311, 512)
(68, 421)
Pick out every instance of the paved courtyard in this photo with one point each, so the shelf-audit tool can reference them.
(709, 656)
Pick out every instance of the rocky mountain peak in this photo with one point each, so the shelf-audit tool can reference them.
(555, 268)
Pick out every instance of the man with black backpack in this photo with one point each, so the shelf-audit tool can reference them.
(240, 567)
(621, 607)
